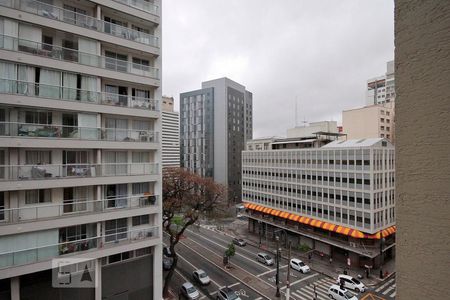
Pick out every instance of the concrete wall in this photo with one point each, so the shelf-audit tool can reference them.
(422, 47)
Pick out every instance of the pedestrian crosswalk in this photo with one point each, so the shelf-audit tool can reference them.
(388, 288)
(308, 292)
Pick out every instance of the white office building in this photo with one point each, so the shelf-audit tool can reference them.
(337, 199)
(170, 134)
(80, 151)
(381, 89)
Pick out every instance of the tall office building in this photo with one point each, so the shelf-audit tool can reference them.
(170, 137)
(80, 174)
(216, 121)
(381, 89)
(337, 199)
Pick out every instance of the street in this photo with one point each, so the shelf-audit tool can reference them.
(203, 248)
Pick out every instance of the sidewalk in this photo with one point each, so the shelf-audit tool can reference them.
(318, 264)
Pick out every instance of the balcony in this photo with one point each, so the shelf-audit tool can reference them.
(51, 131)
(33, 89)
(82, 20)
(78, 57)
(43, 172)
(141, 4)
(75, 207)
(19, 257)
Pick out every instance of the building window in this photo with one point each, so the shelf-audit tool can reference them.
(38, 196)
(141, 220)
(116, 230)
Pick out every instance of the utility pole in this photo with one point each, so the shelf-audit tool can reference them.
(278, 295)
(288, 281)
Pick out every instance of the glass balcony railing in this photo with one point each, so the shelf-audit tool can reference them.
(54, 171)
(74, 207)
(141, 4)
(81, 20)
(75, 56)
(17, 87)
(17, 257)
(77, 132)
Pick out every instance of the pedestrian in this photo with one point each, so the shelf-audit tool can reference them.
(309, 256)
(331, 260)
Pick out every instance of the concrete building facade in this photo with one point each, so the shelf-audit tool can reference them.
(80, 150)
(381, 89)
(337, 199)
(170, 137)
(375, 121)
(215, 123)
(313, 127)
(422, 145)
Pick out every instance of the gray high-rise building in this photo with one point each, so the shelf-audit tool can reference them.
(215, 123)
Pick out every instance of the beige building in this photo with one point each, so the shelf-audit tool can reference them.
(167, 104)
(423, 142)
(375, 121)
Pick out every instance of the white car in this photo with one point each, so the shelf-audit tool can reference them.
(264, 258)
(189, 291)
(298, 265)
(351, 283)
(337, 293)
(201, 277)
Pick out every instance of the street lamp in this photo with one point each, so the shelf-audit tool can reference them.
(278, 295)
(382, 240)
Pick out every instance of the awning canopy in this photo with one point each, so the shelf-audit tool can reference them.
(320, 224)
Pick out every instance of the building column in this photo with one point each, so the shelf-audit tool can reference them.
(98, 279)
(15, 288)
(157, 271)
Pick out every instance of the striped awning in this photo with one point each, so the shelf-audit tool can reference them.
(320, 224)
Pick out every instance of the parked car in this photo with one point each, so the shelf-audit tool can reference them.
(167, 262)
(239, 242)
(201, 277)
(337, 293)
(227, 294)
(298, 265)
(189, 291)
(264, 258)
(351, 283)
(166, 251)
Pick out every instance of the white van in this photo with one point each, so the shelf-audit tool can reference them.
(337, 293)
(351, 283)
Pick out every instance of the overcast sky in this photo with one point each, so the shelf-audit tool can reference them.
(319, 51)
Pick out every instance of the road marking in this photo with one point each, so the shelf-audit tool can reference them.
(267, 272)
(195, 268)
(176, 271)
(393, 294)
(384, 285)
(300, 280)
(389, 289)
(223, 247)
(298, 296)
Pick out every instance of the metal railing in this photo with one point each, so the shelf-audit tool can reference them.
(75, 56)
(81, 20)
(18, 257)
(76, 132)
(142, 5)
(72, 207)
(18, 87)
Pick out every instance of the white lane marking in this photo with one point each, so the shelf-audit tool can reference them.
(259, 298)
(384, 285)
(310, 290)
(267, 272)
(393, 294)
(392, 287)
(298, 296)
(176, 271)
(300, 280)
(195, 268)
(223, 247)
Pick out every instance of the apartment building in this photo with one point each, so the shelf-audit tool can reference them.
(337, 199)
(170, 134)
(381, 89)
(80, 151)
(215, 123)
(374, 121)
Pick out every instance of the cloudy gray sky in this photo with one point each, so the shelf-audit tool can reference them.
(319, 51)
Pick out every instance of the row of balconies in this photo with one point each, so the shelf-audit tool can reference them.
(142, 5)
(85, 21)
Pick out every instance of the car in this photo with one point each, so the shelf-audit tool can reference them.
(167, 252)
(239, 242)
(227, 294)
(189, 291)
(337, 293)
(167, 262)
(201, 277)
(298, 265)
(265, 258)
(351, 283)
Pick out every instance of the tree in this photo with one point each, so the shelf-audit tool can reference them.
(230, 251)
(186, 197)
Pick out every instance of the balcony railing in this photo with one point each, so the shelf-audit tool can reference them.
(76, 132)
(74, 207)
(75, 56)
(141, 4)
(19, 257)
(18, 87)
(39, 172)
(81, 20)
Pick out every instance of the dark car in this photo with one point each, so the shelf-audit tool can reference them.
(227, 294)
(239, 242)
